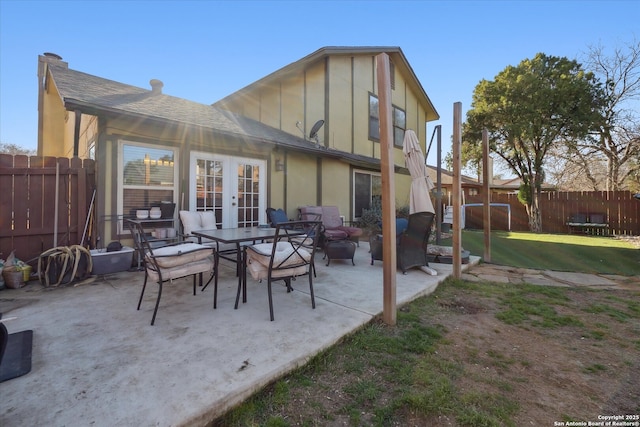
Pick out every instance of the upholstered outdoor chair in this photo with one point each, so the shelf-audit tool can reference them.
(333, 227)
(375, 241)
(411, 242)
(284, 259)
(171, 262)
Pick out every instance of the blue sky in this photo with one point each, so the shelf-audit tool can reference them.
(205, 50)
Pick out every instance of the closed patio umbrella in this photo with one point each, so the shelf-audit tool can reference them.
(419, 199)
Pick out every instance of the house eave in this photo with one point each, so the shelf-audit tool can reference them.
(302, 147)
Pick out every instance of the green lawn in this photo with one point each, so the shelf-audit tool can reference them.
(560, 252)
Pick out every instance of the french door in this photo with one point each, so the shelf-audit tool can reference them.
(233, 187)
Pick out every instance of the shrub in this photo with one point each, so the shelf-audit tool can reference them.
(371, 219)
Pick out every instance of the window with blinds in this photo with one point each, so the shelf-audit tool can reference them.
(148, 176)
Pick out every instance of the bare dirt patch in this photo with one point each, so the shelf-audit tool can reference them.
(574, 372)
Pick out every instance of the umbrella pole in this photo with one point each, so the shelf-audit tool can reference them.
(437, 131)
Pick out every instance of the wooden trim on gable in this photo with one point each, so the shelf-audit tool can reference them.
(353, 105)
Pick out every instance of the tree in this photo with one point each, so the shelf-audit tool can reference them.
(617, 138)
(15, 149)
(528, 109)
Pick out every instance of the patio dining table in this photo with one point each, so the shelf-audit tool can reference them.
(237, 236)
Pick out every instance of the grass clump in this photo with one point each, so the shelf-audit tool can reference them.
(535, 305)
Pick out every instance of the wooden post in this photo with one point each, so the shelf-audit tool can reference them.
(486, 178)
(388, 191)
(457, 190)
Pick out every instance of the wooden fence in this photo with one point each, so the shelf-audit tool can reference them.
(34, 191)
(620, 210)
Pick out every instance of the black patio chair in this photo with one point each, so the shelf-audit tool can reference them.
(411, 243)
(172, 261)
(289, 256)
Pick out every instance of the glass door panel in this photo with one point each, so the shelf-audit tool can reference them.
(209, 175)
(248, 209)
(232, 187)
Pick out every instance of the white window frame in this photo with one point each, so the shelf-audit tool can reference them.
(120, 174)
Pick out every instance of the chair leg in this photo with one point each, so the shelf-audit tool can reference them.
(194, 283)
(215, 293)
(270, 299)
(242, 282)
(144, 285)
(215, 288)
(237, 294)
(155, 311)
(313, 299)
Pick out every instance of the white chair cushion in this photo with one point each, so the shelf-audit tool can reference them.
(190, 221)
(185, 253)
(260, 272)
(195, 221)
(258, 257)
(201, 266)
(283, 257)
(207, 220)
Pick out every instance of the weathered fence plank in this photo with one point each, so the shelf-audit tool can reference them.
(620, 211)
(28, 203)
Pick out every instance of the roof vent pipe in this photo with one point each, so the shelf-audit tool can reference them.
(156, 86)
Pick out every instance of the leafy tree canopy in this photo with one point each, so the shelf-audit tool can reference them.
(527, 109)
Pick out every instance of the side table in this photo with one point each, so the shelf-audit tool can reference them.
(340, 249)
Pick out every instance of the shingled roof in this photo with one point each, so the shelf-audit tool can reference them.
(99, 96)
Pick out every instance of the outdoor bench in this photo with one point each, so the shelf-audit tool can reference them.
(594, 224)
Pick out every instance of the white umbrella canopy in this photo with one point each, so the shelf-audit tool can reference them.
(421, 184)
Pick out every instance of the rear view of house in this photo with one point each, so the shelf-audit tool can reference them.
(307, 134)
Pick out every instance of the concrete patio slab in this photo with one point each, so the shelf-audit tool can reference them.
(579, 279)
(97, 361)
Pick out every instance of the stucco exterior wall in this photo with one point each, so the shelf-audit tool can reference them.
(54, 123)
(58, 127)
(276, 185)
(336, 186)
(88, 134)
(301, 187)
(364, 75)
(340, 120)
(270, 113)
(292, 104)
(315, 98)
